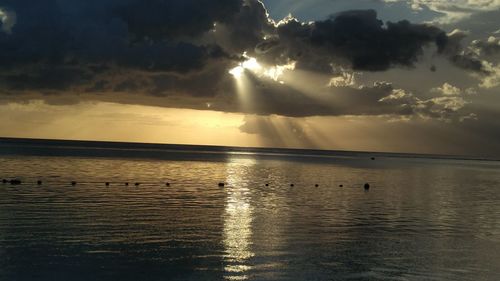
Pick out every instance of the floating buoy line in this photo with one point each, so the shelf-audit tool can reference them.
(17, 182)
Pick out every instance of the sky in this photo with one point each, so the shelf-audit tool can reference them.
(415, 76)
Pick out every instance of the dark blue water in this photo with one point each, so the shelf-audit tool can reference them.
(422, 219)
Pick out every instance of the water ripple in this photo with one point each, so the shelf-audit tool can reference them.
(417, 222)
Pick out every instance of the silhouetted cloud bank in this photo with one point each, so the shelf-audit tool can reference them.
(182, 50)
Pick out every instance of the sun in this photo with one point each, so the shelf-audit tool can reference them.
(273, 72)
(237, 72)
(250, 64)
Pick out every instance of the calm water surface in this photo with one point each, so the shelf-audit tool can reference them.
(421, 220)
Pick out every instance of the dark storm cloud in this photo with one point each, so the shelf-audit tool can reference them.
(152, 19)
(128, 85)
(359, 40)
(99, 86)
(161, 19)
(247, 28)
(171, 49)
(46, 79)
(469, 62)
(202, 84)
(148, 36)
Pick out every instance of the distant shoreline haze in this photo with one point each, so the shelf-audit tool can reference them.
(54, 147)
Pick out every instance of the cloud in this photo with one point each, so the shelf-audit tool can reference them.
(492, 80)
(443, 105)
(479, 24)
(380, 99)
(7, 20)
(453, 11)
(480, 57)
(269, 97)
(447, 90)
(468, 62)
(487, 48)
(446, 107)
(321, 9)
(45, 79)
(118, 34)
(483, 57)
(165, 35)
(159, 19)
(178, 54)
(355, 39)
(246, 28)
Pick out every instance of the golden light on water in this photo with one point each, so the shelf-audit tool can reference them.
(237, 222)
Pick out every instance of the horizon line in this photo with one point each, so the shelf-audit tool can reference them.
(315, 151)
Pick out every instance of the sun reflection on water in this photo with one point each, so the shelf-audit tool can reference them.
(238, 221)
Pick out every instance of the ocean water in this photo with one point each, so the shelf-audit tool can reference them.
(422, 219)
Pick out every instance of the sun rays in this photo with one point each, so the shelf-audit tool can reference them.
(249, 71)
(251, 76)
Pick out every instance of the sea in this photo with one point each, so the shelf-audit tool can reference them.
(77, 210)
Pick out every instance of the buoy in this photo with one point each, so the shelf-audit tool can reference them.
(292, 185)
(167, 184)
(107, 184)
(341, 185)
(137, 184)
(15, 182)
(126, 184)
(73, 183)
(221, 184)
(367, 186)
(39, 182)
(373, 158)
(267, 184)
(316, 185)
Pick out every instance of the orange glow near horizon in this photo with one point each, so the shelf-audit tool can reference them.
(102, 121)
(119, 122)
